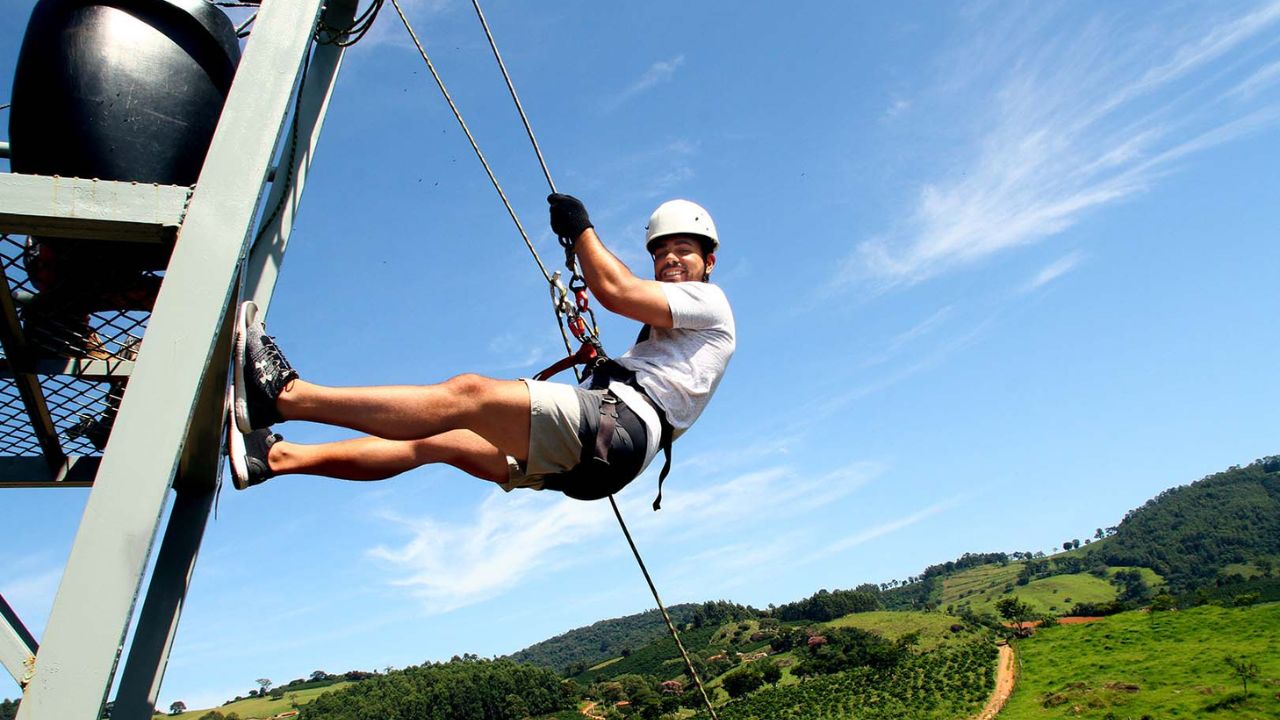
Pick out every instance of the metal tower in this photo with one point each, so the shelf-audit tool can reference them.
(173, 362)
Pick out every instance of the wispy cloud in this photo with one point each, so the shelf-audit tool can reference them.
(902, 339)
(450, 565)
(1260, 80)
(512, 537)
(1080, 119)
(658, 73)
(886, 528)
(1053, 271)
(513, 350)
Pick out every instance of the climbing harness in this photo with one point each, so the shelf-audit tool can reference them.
(569, 313)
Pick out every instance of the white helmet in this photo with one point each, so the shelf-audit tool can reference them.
(681, 217)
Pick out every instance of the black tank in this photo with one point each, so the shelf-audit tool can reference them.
(120, 89)
(113, 90)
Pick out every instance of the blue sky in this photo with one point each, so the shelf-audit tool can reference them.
(1001, 272)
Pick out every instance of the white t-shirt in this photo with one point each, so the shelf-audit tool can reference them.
(680, 367)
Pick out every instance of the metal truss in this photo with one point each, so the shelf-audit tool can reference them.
(131, 402)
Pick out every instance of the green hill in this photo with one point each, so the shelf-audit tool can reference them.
(601, 640)
(1190, 534)
(1158, 665)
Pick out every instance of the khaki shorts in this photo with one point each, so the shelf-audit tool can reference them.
(562, 418)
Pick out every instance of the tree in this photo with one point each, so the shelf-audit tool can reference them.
(1075, 544)
(741, 682)
(1014, 610)
(264, 684)
(1243, 669)
(178, 707)
(770, 672)
(318, 675)
(516, 708)
(1066, 545)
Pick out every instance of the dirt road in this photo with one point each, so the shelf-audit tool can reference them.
(1006, 674)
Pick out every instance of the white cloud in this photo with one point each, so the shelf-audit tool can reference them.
(896, 108)
(449, 565)
(1078, 121)
(877, 531)
(658, 73)
(902, 339)
(1264, 77)
(512, 350)
(1053, 271)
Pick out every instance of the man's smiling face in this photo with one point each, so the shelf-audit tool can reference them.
(679, 258)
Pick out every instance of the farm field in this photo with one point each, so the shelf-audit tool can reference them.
(259, 707)
(1059, 593)
(934, 627)
(949, 683)
(1166, 665)
(984, 584)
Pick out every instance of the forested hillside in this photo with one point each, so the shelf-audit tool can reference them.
(577, 649)
(1188, 534)
(463, 688)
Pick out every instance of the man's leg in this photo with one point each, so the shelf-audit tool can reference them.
(373, 458)
(496, 410)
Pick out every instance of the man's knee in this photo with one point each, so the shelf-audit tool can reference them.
(469, 386)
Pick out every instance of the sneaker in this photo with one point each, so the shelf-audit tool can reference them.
(249, 457)
(261, 373)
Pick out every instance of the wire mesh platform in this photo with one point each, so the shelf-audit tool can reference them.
(68, 350)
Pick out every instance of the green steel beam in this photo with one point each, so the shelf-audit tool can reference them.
(17, 647)
(267, 254)
(34, 472)
(82, 368)
(95, 601)
(90, 209)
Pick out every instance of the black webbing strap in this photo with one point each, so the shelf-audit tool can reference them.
(601, 373)
(608, 421)
(611, 370)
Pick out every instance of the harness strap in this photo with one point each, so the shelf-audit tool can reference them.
(610, 369)
(602, 371)
(584, 355)
(608, 421)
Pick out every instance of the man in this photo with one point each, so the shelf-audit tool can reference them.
(586, 441)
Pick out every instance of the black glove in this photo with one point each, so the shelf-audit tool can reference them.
(568, 216)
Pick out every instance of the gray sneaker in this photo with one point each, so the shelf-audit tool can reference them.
(248, 453)
(261, 372)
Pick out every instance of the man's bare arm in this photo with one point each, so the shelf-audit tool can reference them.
(617, 288)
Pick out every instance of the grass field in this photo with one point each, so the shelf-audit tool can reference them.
(934, 628)
(1058, 593)
(979, 588)
(259, 707)
(1149, 576)
(1134, 664)
(981, 585)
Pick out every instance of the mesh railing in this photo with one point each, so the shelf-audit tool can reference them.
(82, 308)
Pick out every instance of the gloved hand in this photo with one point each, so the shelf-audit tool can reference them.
(568, 216)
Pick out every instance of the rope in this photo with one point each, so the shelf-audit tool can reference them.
(516, 98)
(670, 626)
(612, 502)
(467, 131)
